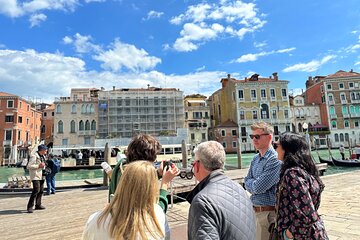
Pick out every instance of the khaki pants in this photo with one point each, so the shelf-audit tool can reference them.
(263, 221)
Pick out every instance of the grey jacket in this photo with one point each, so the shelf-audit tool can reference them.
(220, 209)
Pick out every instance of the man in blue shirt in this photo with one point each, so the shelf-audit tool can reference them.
(262, 178)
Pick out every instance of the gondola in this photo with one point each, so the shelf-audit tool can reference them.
(346, 163)
(328, 161)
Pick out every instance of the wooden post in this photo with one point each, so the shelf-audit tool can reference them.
(239, 153)
(350, 147)
(107, 155)
(184, 154)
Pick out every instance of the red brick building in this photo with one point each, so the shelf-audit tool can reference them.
(19, 125)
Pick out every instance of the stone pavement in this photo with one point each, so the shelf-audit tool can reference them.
(68, 211)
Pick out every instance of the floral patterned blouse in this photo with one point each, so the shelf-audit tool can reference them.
(298, 200)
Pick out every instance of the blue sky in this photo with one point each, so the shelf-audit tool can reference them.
(48, 47)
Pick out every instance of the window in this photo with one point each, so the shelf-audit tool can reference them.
(332, 110)
(253, 93)
(346, 137)
(60, 127)
(45, 114)
(43, 129)
(193, 136)
(331, 98)
(223, 133)
(92, 110)
(274, 114)
(255, 114)
(342, 96)
(224, 144)
(241, 94)
(242, 115)
(351, 85)
(8, 134)
(20, 105)
(287, 128)
(341, 85)
(73, 108)
(9, 118)
(344, 110)
(283, 92)
(87, 140)
(27, 121)
(19, 135)
(264, 111)
(356, 124)
(286, 114)
(234, 132)
(87, 125)
(203, 136)
(65, 141)
(72, 126)
(93, 125)
(346, 124)
(341, 137)
(263, 93)
(333, 124)
(328, 86)
(58, 109)
(81, 125)
(83, 108)
(234, 144)
(336, 137)
(28, 108)
(10, 103)
(272, 93)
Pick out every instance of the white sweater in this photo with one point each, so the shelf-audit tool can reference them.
(94, 232)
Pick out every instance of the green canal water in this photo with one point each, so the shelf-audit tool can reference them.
(231, 161)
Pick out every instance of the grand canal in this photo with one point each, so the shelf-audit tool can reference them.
(6, 172)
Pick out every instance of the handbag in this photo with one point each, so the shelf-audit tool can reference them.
(46, 171)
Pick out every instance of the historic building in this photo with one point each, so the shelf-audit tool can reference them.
(338, 96)
(197, 118)
(250, 100)
(75, 118)
(47, 123)
(127, 111)
(19, 127)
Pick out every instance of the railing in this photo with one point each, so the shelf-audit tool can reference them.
(87, 132)
(333, 116)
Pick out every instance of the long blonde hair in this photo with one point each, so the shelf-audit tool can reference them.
(132, 209)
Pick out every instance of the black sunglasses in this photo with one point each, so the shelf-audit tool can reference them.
(275, 145)
(257, 136)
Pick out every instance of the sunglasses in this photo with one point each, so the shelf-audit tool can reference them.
(257, 136)
(275, 145)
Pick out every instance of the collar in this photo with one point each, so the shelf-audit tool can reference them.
(204, 183)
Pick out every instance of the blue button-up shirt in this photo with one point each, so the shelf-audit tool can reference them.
(262, 178)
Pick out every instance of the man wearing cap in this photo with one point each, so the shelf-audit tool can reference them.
(36, 166)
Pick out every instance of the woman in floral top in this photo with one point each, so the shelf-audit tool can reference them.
(299, 191)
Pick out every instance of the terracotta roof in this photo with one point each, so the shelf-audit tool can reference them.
(228, 123)
(246, 80)
(4, 94)
(341, 74)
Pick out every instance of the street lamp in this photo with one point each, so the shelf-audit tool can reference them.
(305, 127)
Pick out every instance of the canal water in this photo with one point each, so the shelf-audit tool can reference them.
(231, 161)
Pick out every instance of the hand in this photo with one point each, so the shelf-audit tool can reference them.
(288, 234)
(42, 165)
(169, 174)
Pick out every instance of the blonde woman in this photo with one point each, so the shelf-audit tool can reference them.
(133, 213)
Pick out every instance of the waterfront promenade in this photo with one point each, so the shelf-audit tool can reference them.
(68, 211)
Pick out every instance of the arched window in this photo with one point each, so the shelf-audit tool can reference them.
(332, 110)
(357, 109)
(83, 108)
(352, 109)
(60, 127)
(302, 114)
(346, 124)
(73, 108)
(81, 125)
(297, 113)
(346, 137)
(341, 137)
(93, 125)
(336, 137)
(92, 110)
(72, 126)
(87, 125)
(58, 109)
(344, 109)
(333, 124)
(331, 97)
(87, 108)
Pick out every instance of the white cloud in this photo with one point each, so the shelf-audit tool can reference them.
(10, 8)
(122, 55)
(254, 56)
(310, 66)
(2, 45)
(82, 43)
(36, 19)
(48, 75)
(357, 63)
(260, 44)
(153, 14)
(235, 18)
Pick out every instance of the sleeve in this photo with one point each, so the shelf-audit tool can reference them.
(301, 208)
(266, 180)
(202, 221)
(33, 163)
(163, 202)
(88, 231)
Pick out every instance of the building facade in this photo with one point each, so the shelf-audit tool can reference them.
(197, 119)
(47, 124)
(125, 112)
(75, 118)
(19, 127)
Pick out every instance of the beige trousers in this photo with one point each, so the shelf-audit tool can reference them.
(263, 221)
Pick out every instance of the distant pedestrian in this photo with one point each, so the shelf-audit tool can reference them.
(220, 207)
(299, 191)
(342, 151)
(133, 213)
(79, 157)
(36, 166)
(50, 178)
(262, 178)
(357, 151)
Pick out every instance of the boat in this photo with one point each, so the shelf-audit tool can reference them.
(328, 161)
(346, 163)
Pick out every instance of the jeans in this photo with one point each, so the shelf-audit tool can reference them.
(50, 183)
(36, 194)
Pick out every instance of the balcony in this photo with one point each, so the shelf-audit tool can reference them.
(87, 133)
(333, 116)
(346, 115)
(344, 101)
(6, 142)
(355, 100)
(355, 115)
(331, 102)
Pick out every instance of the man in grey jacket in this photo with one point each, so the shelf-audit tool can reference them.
(220, 207)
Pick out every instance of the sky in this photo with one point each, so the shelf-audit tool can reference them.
(48, 47)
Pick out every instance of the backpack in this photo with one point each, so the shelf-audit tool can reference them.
(56, 166)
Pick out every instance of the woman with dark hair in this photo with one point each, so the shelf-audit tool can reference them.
(299, 191)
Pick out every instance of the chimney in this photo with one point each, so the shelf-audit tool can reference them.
(275, 74)
(229, 76)
(113, 88)
(351, 70)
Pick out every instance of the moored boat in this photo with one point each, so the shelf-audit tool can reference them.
(328, 161)
(346, 163)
